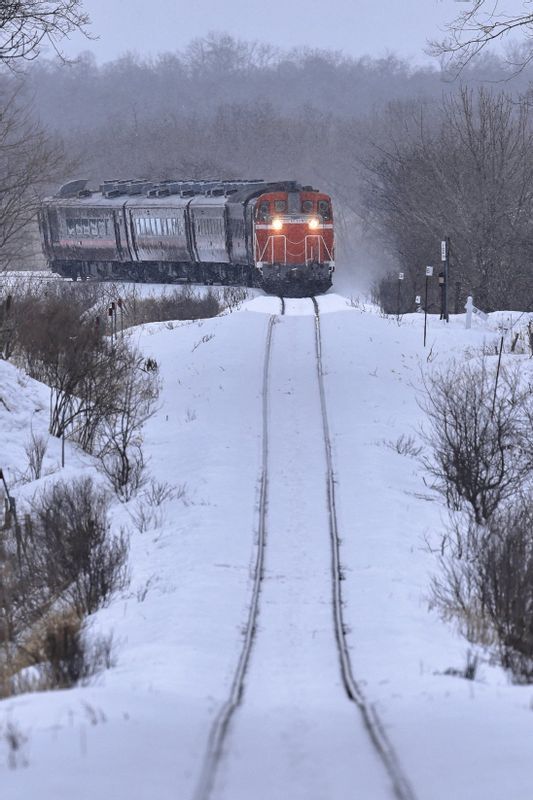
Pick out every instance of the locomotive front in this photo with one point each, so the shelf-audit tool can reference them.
(293, 242)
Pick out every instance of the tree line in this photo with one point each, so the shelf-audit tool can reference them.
(394, 144)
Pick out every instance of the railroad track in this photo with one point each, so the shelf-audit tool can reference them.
(222, 720)
(399, 785)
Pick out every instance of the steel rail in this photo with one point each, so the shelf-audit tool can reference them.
(219, 728)
(400, 784)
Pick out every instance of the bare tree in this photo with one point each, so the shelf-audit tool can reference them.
(463, 170)
(478, 26)
(29, 158)
(26, 26)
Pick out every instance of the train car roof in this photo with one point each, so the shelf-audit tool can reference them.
(117, 194)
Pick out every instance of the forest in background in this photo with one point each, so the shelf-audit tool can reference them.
(410, 154)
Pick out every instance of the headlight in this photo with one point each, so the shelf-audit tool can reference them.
(277, 224)
(314, 223)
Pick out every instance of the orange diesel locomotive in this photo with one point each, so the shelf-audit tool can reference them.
(293, 241)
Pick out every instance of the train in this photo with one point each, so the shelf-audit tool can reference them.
(277, 236)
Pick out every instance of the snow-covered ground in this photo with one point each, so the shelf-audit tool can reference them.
(140, 729)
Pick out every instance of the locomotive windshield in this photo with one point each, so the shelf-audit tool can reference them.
(324, 209)
(263, 212)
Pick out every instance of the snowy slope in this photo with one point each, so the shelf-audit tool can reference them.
(140, 730)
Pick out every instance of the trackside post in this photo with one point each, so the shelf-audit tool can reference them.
(429, 274)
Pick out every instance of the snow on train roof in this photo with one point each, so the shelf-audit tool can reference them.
(177, 194)
(170, 201)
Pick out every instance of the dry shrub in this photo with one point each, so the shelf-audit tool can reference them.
(179, 304)
(481, 450)
(486, 584)
(68, 541)
(118, 440)
(35, 451)
(56, 653)
(63, 549)
(57, 565)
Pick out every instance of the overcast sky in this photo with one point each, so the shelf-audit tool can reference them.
(357, 27)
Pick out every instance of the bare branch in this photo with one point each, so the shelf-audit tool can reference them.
(479, 26)
(26, 26)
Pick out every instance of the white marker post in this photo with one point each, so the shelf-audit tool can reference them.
(429, 274)
(445, 258)
(399, 299)
(469, 308)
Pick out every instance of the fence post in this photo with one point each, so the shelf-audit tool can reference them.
(469, 308)
(497, 378)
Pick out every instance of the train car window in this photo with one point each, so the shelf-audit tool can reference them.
(157, 226)
(85, 227)
(307, 206)
(93, 227)
(102, 227)
(78, 227)
(237, 228)
(71, 227)
(324, 209)
(280, 206)
(262, 214)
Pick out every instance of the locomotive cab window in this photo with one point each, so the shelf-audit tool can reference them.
(280, 206)
(324, 209)
(307, 206)
(263, 212)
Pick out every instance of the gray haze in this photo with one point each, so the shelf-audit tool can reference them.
(357, 27)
